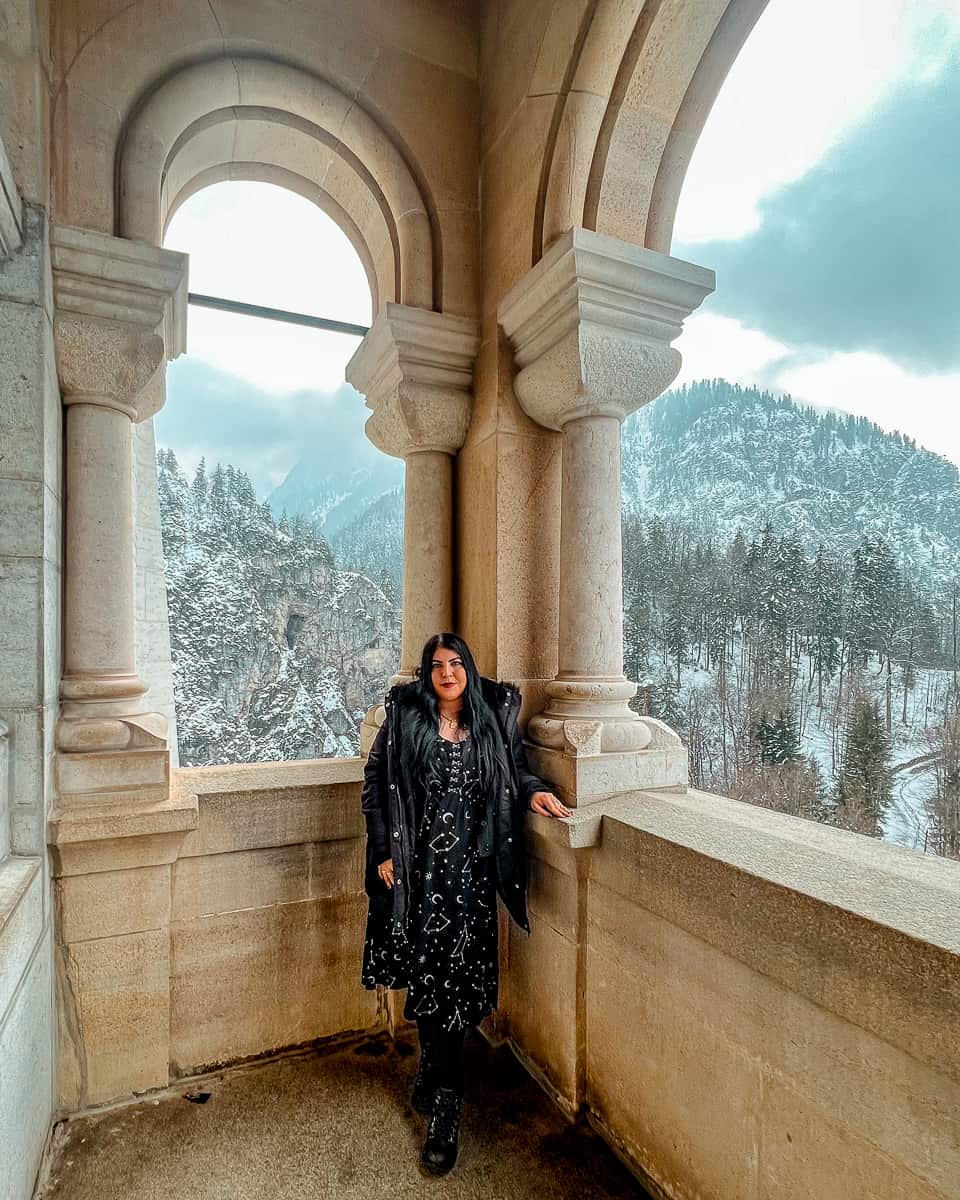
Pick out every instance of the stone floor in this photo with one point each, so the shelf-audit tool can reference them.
(333, 1124)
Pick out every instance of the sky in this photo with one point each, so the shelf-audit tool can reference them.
(822, 192)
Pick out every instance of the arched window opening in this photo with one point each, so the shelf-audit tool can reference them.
(281, 524)
(791, 553)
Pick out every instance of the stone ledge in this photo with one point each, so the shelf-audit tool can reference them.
(269, 776)
(116, 837)
(22, 923)
(916, 894)
(867, 931)
(16, 875)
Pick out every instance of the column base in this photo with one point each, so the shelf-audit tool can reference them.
(370, 727)
(107, 712)
(582, 773)
(587, 716)
(79, 730)
(131, 778)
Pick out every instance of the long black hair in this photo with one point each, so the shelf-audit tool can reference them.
(475, 714)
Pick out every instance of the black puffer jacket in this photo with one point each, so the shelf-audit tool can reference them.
(388, 803)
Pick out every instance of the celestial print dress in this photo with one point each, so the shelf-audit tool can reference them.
(453, 916)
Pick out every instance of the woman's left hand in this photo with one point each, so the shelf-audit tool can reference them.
(547, 804)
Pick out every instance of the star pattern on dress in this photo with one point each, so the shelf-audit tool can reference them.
(451, 932)
(437, 920)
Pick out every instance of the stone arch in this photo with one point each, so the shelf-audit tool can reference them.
(638, 86)
(255, 118)
(260, 173)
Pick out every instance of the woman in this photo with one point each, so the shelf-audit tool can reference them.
(445, 791)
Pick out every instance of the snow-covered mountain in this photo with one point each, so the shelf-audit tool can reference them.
(372, 542)
(716, 457)
(333, 489)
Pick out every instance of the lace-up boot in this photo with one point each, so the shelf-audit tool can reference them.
(440, 1148)
(424, 1084)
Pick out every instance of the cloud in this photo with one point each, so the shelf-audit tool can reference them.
(224, 418)
(863, 252)
(758, 137)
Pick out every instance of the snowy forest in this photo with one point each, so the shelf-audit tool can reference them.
(277, 650)
(822, 685)
(790, 607)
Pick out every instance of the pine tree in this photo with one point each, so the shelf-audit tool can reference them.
(775, 738)
(865, 787)
(172, 489)
(824, 620)
(198, 490)
(875, 593)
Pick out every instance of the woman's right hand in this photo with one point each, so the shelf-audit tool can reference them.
(385, 871)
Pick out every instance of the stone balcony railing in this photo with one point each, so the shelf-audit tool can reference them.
(267, 912)
(744, 1004)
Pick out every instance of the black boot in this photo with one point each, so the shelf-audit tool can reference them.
(424, 1085)
(440, 1148)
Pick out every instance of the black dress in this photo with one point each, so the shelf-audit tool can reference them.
(453, 915)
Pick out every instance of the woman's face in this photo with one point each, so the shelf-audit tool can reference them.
(448, 675)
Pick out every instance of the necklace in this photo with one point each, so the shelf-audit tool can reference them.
(454, 726)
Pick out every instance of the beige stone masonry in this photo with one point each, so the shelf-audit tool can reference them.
(268, 911)
(542, 1010)
(591, 327)
(125, 833)
(808, 976)
(415, 369)
(176, 920)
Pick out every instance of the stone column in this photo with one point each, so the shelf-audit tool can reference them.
(415, 368)
(591, 327)
(120, 313)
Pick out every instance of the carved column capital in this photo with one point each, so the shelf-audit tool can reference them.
(592, 323)
(415, 369)
(106, 363)
(120, 313)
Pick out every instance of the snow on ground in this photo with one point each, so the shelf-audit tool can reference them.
(905, 823)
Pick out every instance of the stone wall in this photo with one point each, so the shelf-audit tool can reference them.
(745, 1004)
(268, 912)
(30, 555)
(246, 940)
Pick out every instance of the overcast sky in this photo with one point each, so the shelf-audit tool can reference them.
(823, 192)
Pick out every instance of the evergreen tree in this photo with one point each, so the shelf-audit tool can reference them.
(172, 493)
(775, 738)
(865, 787)
(825, 619)
(875, 592)
(198, 490)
